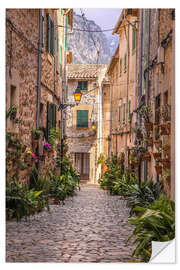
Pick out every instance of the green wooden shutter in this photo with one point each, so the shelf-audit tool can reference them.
(119, 114)
(129, 109)
(54, 115)
(66, 34)
(125, 61)
(52, 38)
(82, 118)
(48, 32)
(85, 85)
(134, 36)
(124, 112)
(61, 60)
(57, 52)
(120, 66)
(48, 121)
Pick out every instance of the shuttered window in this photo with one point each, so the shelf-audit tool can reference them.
(66, 34)
(125, 61)
(51, 118)
(83, 85)
(124, 113)
(134, 36)
(50, 35)
(60, 60)
(129, 110)
(82, 118)
(119, 114)
(57, 52)
(120, 66)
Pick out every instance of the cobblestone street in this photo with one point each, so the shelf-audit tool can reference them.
(91, 227)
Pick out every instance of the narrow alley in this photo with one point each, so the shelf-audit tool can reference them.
(91, 227)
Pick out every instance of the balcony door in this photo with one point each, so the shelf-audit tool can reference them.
(82, 165)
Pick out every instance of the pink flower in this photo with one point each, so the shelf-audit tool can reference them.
(34, 156)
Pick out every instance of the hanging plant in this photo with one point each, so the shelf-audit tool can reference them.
(147, 156)
(146, 113)
(36, 133)
(148, 126)
(166, 112)
(166, 176)
(166, 162)
(158, 169)
(165, 129)
(12, 112)
(157, 155)
(48, 147)
(149, 141)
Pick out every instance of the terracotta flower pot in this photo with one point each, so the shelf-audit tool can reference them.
(148, 126)
(150, 142)
(158, 169)
(165, 128)
(166, 162)
(147, 156)
(156, 155)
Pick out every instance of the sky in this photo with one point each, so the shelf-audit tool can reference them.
(106, 18)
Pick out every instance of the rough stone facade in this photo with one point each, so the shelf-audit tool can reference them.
(22, 39)
(152, 86)
(84, 141)
(122, 72)
(161, 85)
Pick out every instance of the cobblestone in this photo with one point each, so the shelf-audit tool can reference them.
(91, 227)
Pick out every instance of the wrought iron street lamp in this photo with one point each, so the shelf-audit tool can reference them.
(93, 126)
(77, 97)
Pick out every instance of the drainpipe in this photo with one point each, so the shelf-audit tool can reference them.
(39, 69)
(147, 87)
(110, 142)
(140, 74)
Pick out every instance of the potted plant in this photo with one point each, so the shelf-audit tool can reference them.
(158, 168)
(36, 133)
(138, 132)
(166, 113)
(28, 157)
(165, 162)
(146, 112)
(166, 175)
(149, 141)
(147, 156)
(157, 155)
(23, 166)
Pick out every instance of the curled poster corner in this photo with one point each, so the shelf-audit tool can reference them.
(163, 252)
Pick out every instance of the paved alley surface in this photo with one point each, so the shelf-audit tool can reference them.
(91, 227)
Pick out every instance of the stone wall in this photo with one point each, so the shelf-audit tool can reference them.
(22, 35)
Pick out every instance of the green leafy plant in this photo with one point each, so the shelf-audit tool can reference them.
(101, 159)
(11, 113)
(22, 201)
(155, 222)
(146, 113)
(36, 133)
(54, 135)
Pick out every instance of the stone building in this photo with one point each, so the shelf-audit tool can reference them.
(35, 77)
(123, 76)
(156, 78)
(86, 144)
(142, 74)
